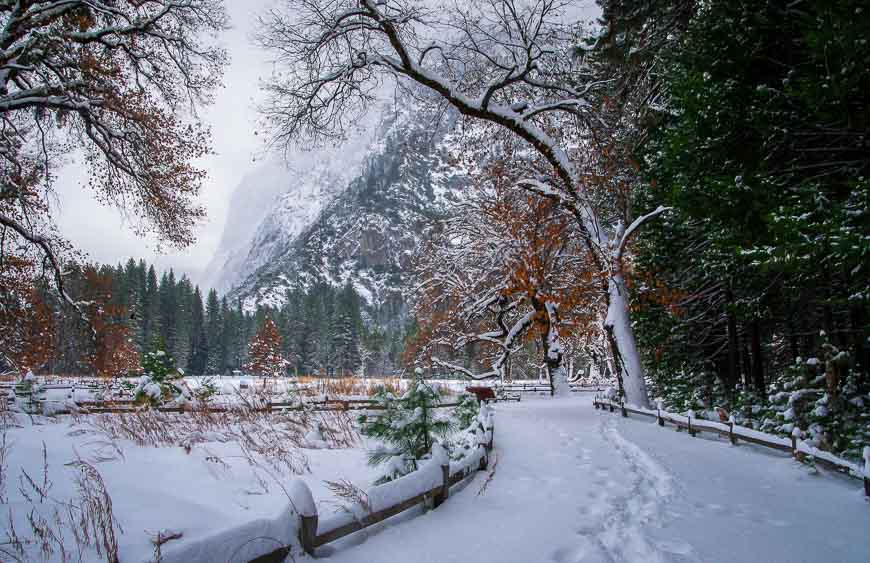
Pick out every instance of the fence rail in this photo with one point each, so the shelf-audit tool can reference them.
(798, 449)
(128, 406)
(536, 387)
(314, 532)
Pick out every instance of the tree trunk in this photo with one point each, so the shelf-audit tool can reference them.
(859, 350)
(556, 375)
(619, 322)
(733, 347)
(757, 360)
(552, 347)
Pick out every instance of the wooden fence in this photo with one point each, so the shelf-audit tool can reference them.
(314, 532)
(735, 433)
(122, 406)
(538, 387)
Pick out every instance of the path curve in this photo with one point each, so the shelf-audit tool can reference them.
(573, 485)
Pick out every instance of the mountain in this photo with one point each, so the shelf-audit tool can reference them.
(276, 201)
(350, 215)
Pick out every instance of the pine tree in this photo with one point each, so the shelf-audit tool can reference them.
(198, 362)
(213, 333)
(407, 427)
(345, 331)
(168, 309)
(159, 382)
(151, 321)
(264, 352)
(228, 332)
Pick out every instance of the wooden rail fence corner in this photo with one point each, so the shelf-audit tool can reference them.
(310, 539)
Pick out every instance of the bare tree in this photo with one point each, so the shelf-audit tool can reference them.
(503, 270)
(508, 63)
(112, 79)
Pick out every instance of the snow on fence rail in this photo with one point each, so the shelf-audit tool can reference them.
(429, 484)
(796, 447)
(545, 387)
(120, 406)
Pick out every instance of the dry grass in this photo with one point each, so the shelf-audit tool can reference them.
(275, 438)
(86, 522)
(352, 496)
(392, 385)
(332, 386)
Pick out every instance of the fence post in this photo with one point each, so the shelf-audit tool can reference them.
(445, 487)
(731, 435)
(302, 504)
(308, 533)
(795, 434)
(622, 406)
(691, 431)
(659, 418)
(866, 455)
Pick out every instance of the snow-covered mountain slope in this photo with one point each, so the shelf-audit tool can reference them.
(275, 202)
(352, 214)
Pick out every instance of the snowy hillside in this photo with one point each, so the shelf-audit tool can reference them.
(352, 214)
(279, 199)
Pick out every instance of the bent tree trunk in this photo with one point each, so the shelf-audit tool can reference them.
(552, 345)
(557, 376)
(619, 323)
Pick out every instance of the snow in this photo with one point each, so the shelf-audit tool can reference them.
(566, 483)
(575, 484)
(426, 478)
(209, 492)
(301, 498)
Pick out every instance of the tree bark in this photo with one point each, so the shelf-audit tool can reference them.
(733, 346)
(619, 322)
(757, 360)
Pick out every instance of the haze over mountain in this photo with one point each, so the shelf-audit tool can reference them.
(350, 214)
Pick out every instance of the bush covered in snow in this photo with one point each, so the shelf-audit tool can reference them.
(466, 411)
(819, 397)
(161, 379)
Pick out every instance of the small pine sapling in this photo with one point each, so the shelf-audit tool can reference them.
(406, 426)
(466, 411)
(159, 382)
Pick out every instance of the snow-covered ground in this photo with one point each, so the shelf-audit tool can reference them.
(206, 490)
(574, 484)
(566, 484)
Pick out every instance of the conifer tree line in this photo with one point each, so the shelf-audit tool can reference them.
(132, 310)
(751, 120)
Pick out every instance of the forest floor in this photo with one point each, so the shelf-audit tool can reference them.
(572, 484)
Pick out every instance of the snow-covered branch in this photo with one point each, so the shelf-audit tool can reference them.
(624, 236)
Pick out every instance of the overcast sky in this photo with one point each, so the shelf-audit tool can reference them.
(105, 235)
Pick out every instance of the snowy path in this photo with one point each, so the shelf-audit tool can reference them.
(572, 484)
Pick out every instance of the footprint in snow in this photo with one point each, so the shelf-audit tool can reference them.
(674, 547)
(573, 553)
